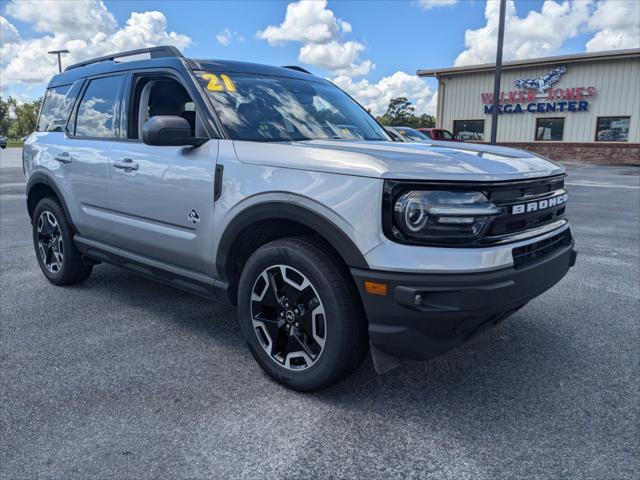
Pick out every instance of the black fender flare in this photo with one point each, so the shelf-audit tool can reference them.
(41, 178)
(276, 210)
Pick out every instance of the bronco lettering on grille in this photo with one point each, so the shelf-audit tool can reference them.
(539, 204)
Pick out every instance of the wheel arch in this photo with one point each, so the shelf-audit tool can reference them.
(41, 185)
(268, 221)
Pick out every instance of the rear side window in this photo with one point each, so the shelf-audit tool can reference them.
(97, 109)
(56, 107)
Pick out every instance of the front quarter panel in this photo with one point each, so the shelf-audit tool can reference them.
(351, 203)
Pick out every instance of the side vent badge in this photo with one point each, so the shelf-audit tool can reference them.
(194, 217)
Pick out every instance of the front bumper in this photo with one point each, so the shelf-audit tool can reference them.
(424, 315)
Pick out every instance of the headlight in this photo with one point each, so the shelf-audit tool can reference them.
(440, 216)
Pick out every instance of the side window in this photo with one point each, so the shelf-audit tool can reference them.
(97, 109)
(437, 134)
(160, 95)
(447, 135)
(56, 107)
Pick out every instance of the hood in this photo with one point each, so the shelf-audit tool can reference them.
(400, 161)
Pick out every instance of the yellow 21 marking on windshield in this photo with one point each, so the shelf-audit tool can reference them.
(214, 84)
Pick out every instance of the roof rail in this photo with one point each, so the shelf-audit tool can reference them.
(297, 68)
(154, 52)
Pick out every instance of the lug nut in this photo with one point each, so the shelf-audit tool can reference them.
(297, 312)
(297, 324)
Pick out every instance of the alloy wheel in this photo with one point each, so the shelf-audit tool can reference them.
(50, 245)
(288, 317)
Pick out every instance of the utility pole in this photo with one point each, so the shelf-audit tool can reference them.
(59, 52)
(496, 82)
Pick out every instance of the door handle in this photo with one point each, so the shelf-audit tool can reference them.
(64, 157)
(126, 164)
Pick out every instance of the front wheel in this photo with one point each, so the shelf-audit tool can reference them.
(300, 314)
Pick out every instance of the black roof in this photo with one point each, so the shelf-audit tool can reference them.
(169, 57)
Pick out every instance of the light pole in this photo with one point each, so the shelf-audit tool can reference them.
(59, 52)
(496, 82)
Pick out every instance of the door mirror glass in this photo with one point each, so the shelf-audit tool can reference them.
(169, 131)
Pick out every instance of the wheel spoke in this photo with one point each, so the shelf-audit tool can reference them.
(48, 254)
(299, 338)
(288, 317)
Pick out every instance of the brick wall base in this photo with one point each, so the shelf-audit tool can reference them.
(597, 153)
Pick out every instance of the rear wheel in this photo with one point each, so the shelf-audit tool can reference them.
(299, 314)
(53, 242)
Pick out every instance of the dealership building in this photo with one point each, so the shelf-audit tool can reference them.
(583, 107)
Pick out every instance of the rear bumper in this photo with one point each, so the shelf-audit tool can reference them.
(424, 315)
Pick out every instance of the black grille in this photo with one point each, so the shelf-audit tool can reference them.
(533, 252)
(508, 225)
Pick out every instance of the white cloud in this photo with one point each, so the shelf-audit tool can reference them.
(538, 34)
(306, 21)
(84, 19)
(29, 63)
(8, 33)
(226, 37)
(340, 58)
(376, 96)
(311, 23)
(9, 40)
(429, 4)
(618, 25)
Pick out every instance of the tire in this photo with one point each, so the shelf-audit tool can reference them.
(324, 318)
(56, 252)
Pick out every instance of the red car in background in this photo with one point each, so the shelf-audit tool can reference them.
(439, 134)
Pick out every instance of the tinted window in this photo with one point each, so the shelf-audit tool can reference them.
(411, 135)
(56, 107)
(447, 134)
(468, 129)
(97, 110)
(549, 129)
(612, 129)
(272, 109)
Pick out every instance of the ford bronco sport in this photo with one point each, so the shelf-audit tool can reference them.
(271, 189)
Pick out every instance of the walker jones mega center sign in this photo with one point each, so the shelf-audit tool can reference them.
(538, 96)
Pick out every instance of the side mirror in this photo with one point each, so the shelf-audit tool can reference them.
(169, 131)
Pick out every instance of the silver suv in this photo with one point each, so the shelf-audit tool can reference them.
(271, 189)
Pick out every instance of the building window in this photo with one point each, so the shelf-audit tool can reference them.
(612, 129)
(549, 129)
(468, 129)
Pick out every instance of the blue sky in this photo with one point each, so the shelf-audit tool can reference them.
(383, 42)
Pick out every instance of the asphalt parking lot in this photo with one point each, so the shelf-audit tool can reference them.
(120, 377)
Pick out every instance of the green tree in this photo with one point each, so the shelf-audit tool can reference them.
(5, 120)
(18, 119)
(426, 121)
(401, 112)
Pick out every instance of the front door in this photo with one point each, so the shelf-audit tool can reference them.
(161, 198)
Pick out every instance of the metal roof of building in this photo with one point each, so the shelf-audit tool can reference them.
(574, 58)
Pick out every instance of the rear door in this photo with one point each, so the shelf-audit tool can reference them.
(161, 198)
(85, 152)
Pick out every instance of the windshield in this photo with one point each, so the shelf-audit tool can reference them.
(411, 135)
(276, 109)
